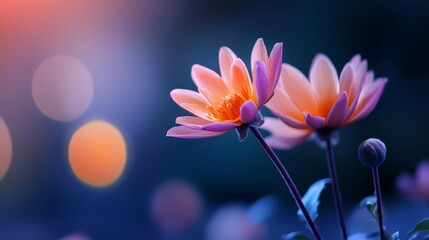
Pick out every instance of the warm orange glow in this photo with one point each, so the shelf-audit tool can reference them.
(62, 88)
(5, 149)
(97, 153)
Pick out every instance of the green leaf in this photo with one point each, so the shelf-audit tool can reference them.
(311, 198)
(370, 203)
(295, 236)
(422, 226)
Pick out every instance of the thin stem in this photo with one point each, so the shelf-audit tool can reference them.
(335, 187)
(288, 180)
(376, 180)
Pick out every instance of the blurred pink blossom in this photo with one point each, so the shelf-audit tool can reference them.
(418, 186)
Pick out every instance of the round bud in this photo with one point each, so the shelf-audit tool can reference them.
(372, 152)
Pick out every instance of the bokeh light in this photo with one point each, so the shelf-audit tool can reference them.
(62, 88)
(232, 222)
(97, 153)
(5, 149)
(175, 206)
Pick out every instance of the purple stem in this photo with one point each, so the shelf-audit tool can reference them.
(288, 180)
(376, 180)
(335, 187)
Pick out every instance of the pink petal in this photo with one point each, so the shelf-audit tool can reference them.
(315, 122)
(275, 65)
(338, 112)
(283, 136)
(226, 58)
(298, 88)
(354, 62)
(324, 80)
(369, 101)
(189, 133)
(259, 53)
(240, 79)
(283, 104)
(292, 122)
(248, 111)
(201, 124)
(346, 78)
(190, 101)
(206, 79)
(261, 83)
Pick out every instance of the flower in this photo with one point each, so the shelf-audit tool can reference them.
(372, 152)
(417, 186)
(228, 101)
(324, 102)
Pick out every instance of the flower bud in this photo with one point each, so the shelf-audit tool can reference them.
(372, 152)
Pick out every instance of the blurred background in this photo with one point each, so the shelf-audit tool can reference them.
(85, 106)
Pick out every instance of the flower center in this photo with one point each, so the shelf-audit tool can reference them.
(228, 108)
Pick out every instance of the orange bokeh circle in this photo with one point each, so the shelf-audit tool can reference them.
(97, 153)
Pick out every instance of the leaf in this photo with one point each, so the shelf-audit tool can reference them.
(422, 226)
(295, 236)
(363, 236)
(395, 236)
(370, 203)
(311, 198)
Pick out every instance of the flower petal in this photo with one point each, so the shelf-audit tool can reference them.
(346, 78)
(298, 88)
(191, 101)
(189, 133)
(240, 79)
(248, 111)
(292, 122)
(261, 83)
(207, 79)
(324, 80)
(315, 122)
(283, 136)
(226, 58)
(259, 53)
(369, 100)
(275, 65)
(338, 112)
(282, 103)
(201, 124)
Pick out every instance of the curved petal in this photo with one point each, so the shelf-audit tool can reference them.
(248, 111)
(346, 78)
(324, 80)
(240, 79)
(274, 66)
(298, 88)
(292, 122)
(354, 62)
(226, 58)
(201, 124)
(191, 101)
(259, 53)
(315, 122)
(283, 136)
(261, 83)
(338, 112)
(369, 100)
(189, 133)
(282, 103)
(207, 79)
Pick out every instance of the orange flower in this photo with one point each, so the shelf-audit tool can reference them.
(231, 100)
(324, 102)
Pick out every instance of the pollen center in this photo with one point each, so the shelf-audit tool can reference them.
(228, 108)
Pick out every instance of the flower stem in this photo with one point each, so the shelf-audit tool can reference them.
(376, 180)
(335, 187)
(288, 180)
